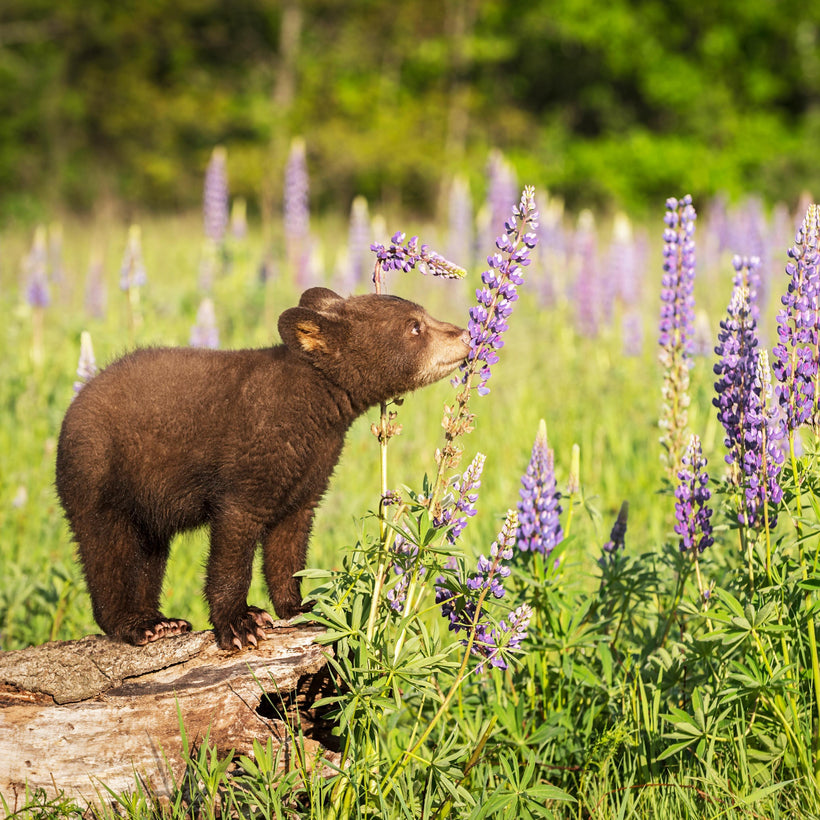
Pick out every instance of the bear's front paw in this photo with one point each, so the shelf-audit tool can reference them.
(243, 630)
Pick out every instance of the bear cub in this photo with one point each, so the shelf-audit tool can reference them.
(168, 439)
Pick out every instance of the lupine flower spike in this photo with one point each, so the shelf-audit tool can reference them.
(798, 327)
(297, 211)
(736, 370)
(590, 298)
(488, 321)
(95, 293)
(87, 364)
(497, 297)
(453, 514)
(617, 535)
(753, 429)
(464, 610)
(132, 270)
(132, 275)
(404, 564)
(460, 241)
(693, 514)
(676, 324)
(205, 332)
(763, 456)
(215, 196)
(36, 271)
(538, 510)
(747, 274)
(404, 256)
(692, 511)
(456, 509)
(358, 234)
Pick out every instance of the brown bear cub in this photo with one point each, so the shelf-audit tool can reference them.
(168, 439)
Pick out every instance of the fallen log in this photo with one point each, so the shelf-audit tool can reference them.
(75, 715)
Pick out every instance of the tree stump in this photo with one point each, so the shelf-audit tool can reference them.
(75, 715)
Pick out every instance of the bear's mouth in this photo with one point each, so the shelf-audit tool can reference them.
(440, 369)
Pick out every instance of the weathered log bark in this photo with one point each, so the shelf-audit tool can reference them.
(78, 714)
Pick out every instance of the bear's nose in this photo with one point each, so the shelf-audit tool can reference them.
(465, 337)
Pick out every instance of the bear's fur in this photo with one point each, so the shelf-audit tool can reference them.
(168, 439)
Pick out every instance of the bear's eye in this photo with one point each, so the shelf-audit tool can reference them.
(415, 328)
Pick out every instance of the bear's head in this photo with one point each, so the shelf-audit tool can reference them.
(373, 347)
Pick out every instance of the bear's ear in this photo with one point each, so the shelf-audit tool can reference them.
(307, 331)
(321, 299)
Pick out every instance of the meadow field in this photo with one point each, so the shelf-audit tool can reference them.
(620, 675)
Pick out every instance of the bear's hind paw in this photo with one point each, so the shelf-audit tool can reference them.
(144, 630)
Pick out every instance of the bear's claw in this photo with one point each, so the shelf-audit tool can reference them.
(245, 630)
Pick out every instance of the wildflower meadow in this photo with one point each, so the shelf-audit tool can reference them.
(580, 580)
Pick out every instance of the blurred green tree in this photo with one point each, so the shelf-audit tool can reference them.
(618, 101)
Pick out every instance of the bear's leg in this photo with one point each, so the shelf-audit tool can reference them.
(124, 576)
(234, 536)
(284, 553)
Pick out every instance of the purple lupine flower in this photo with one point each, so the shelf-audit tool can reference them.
(589, 297)
(358, 238)
(497, 297)
(676, 323)
(132, 270)
(502, 187)
(215, 196)
(691, 508)
(460, 236)
(718, 222)
(736, 371)
(460, 609)
(617, 535)
(753, 244)
(763, 455)
(454, 513)
(747, 274)
(798, 328)
(404, 256)
(626, 262)
(297, 210)
(677, 301)
(505, 636)
(95, 294)
(539, 510)
(87, 364)
(632, 331)
(35, 267)
(552, 256)
(405, 560)
(627, 267)
(205, 332)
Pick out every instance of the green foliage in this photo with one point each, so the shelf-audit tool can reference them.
(601, 105)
